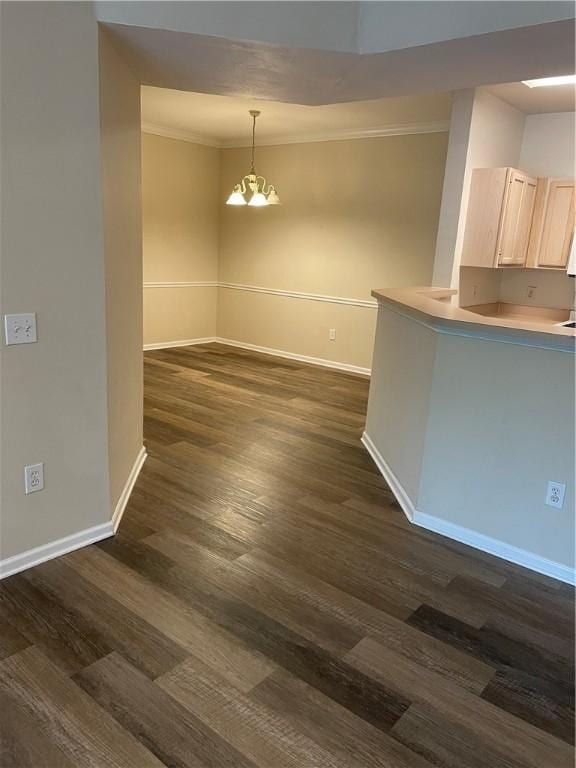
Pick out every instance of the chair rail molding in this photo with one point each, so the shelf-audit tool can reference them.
(353, 302)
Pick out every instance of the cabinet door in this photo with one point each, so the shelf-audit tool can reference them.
(516, 219)
(488, 188)
(558, 225)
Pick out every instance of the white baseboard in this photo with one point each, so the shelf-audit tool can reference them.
(401, 496)
(293, 356)
(37, 555)
(31, 557)
(179, 343)
(127, 490)
(467, 536)
(495, 547)
(265, 351)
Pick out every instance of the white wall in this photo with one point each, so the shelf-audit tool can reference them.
(321, 25)
(386, 26)
(486, 132)
(399, 401)
(364, 27)
(546, 149)
(54, 401)
(501, 426)
(553, 287)
(472, 430)
(548, 145)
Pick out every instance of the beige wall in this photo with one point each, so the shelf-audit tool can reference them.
(121, 185)
(54, 392)
(299, 326)
(356, 215)
(180, 205)
(364, 218)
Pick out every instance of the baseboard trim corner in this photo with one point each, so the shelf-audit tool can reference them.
(31, 557)
(397, 489)
(346, 367)
(466, 536)
(179, 343)
(495, 547)
(127, 490)
(38, 555)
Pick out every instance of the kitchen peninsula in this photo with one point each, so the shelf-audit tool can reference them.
(470, 415)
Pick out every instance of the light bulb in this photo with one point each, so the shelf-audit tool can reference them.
(258, 200)
(236, 198)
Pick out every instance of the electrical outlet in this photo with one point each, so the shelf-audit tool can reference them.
(531, 292)
(332, 334)
(474, 291)
(555, 494)
(33, 478)
(20, 329)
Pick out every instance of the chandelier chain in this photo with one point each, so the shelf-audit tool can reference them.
(254, 116)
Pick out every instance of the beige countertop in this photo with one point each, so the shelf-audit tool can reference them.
(435, 307)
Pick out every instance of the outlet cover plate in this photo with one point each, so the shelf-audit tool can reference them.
(33, 478)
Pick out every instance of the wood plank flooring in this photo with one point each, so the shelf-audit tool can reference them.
(266, 603)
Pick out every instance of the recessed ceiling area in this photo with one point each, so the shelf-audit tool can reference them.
(558, 98)
(224, 120)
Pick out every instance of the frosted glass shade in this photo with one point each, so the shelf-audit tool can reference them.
(236, 198)
(258, 200)
(273, 198)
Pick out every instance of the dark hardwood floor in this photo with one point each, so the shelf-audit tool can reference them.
(266, 603)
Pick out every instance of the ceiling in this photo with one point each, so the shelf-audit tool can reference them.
(559, 98)
(186, 61)
(224, 120)
(371, 26)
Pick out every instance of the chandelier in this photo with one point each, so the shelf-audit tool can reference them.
(261, 193)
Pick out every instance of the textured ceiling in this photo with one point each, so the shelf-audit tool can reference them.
(203, 64)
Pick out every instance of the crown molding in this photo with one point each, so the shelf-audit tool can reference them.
(176, 133)
(397, 129)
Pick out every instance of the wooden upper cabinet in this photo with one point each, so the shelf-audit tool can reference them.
(516, 219)
(500, 209)
(553, 224)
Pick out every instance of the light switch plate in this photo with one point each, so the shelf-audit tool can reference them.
(21, 328)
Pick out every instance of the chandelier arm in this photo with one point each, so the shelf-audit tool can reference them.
(263, 187)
